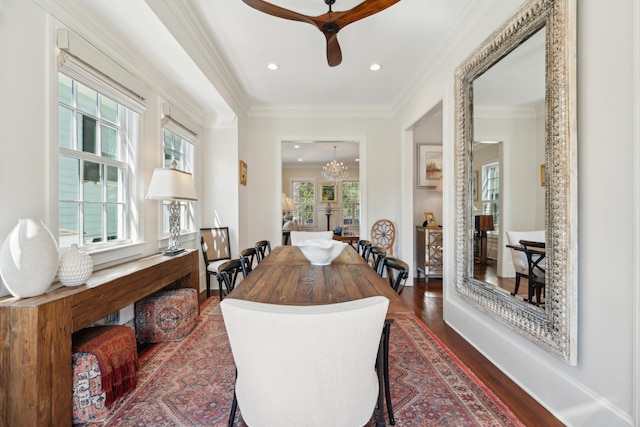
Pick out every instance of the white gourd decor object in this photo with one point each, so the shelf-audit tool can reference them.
(29, 259)
(76, 267)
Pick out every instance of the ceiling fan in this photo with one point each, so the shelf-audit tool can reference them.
(329, 23)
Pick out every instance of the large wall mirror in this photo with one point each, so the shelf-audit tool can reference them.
(516, 166)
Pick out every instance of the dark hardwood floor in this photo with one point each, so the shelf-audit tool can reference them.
(426, 300)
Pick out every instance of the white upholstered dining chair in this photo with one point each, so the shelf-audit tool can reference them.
(305, 365)
(300, 236)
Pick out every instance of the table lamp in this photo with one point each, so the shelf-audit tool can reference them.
(173, 185)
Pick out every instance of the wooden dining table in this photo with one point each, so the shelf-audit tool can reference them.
(286, 277)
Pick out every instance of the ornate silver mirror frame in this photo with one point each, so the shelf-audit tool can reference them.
(555, 327)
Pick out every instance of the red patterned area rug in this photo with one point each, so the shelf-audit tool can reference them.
(190, 383)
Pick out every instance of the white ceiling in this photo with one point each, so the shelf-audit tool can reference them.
(218, 50)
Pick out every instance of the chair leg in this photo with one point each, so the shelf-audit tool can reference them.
(515, 291)
(208, 285)
(387, 391)
(234, 406)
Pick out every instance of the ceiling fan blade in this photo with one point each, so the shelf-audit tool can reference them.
(334, 53)
(277, 11)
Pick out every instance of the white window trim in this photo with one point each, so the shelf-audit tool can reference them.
(75, 59)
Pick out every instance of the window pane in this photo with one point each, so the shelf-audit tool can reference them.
(115, 220)
(108, 110)
(87, 134)
(68, 178)
(68, 220)
(109, 142)
(114, 184)
(92, 223)
(65, 127)
(92, 182)
(65, 93)
(87, 100)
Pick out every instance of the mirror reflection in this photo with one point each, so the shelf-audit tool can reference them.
(508, 190)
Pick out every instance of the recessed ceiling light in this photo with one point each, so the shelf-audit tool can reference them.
(272, 66)
(296, 146)
(300, 160)
(375, 67)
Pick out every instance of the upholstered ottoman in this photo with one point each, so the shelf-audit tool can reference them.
(105, 368)
(167, 315)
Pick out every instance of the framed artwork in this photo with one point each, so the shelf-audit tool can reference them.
(243, 173)
(429, 166)
(430, 219)
(328, 193)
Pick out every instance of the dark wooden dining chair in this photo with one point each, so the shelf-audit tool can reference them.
(228, 273)
(362, 246)
(249, 256)
(216, 249)
(535, 253)
(263, 248)
(375, 255)
(396, 272)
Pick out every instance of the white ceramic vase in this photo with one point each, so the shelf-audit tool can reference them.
(75, 268)
(28, 259)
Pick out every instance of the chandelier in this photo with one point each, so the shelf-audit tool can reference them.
(334, 171)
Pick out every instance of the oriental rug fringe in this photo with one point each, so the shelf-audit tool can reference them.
(190, 383)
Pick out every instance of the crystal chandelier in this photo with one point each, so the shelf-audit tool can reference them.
(334, 171)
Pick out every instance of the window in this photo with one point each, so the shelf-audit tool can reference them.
(491, 193)
(351, 202)
(179, 149)
(96, 138)
(305, 199)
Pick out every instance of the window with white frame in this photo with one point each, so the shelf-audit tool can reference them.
(178, 148)
(491, 193)
(97, 139)
(304, 197)
(351, 202)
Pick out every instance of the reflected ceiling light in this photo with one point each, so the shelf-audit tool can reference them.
(334, 171)
(296, 146)
(375, 67)
(272, 66)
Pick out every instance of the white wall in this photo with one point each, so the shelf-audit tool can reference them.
(600, 389)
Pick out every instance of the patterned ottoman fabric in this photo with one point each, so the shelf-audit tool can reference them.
(88, 395)
(166, 316)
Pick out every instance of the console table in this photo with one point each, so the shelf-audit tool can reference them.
(429, 251)
(36, 333)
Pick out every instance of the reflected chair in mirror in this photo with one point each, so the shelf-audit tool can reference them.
(535, 252)
(362, 247)
(396, 271)
(518, 256)
(263, 248)
(216, 249)
(383, 234)
(228, 273)
(249, 256)
(327, 378)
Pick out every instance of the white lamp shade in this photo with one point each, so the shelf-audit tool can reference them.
(171, 184)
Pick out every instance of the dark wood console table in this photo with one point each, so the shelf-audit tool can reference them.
(35, 333)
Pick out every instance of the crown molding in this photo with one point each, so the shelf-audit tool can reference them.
(319, 111)
(185, 26)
